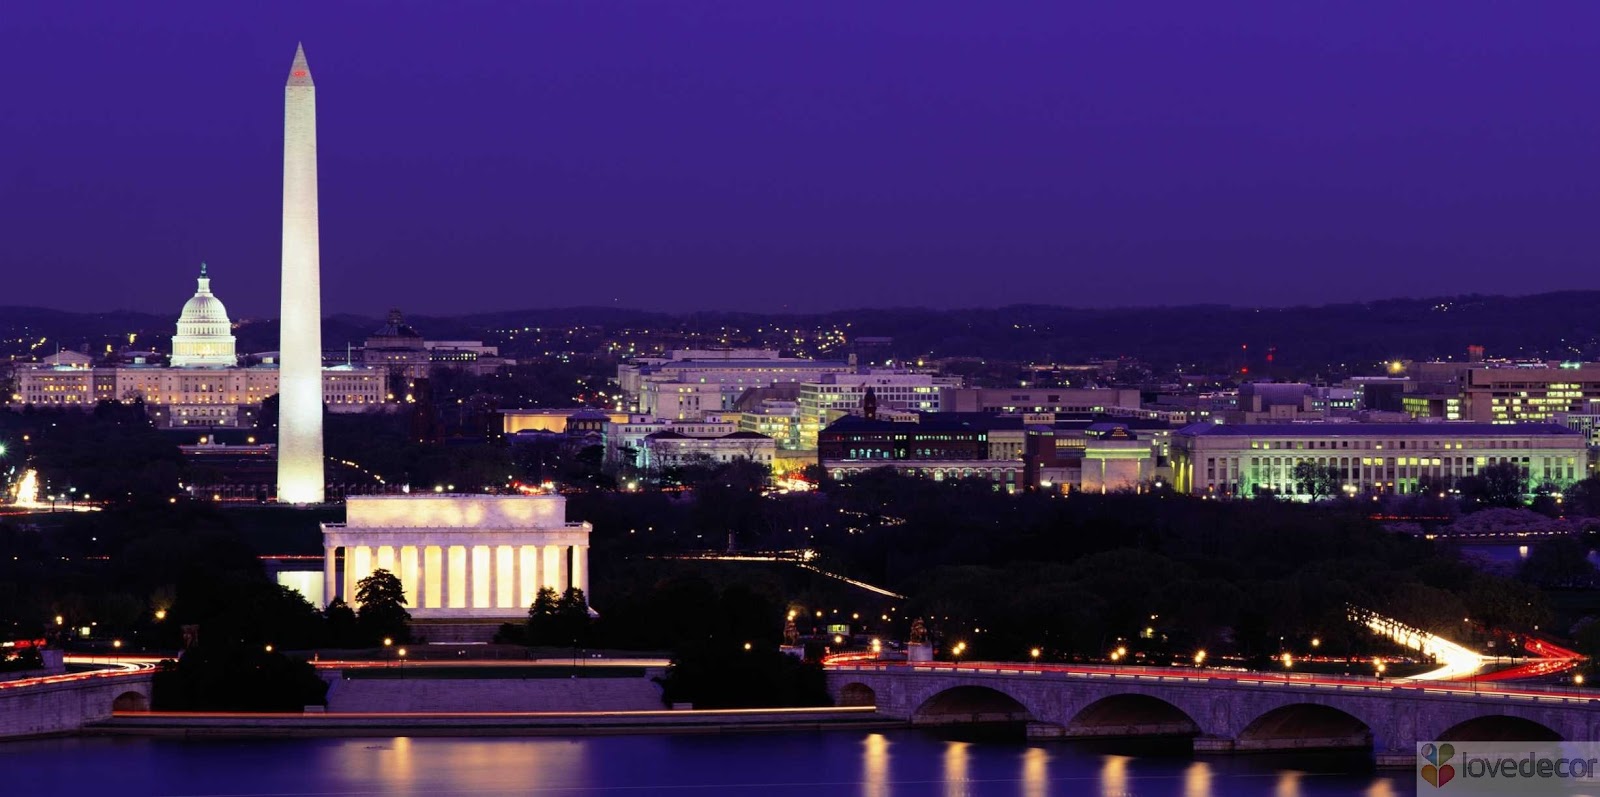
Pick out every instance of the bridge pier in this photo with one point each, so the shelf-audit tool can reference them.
(1207, 744)
(1395, 759)
(1046, 730)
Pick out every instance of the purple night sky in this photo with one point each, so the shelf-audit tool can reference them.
(803, 156)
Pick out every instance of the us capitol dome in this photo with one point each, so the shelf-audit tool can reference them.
(205, 336)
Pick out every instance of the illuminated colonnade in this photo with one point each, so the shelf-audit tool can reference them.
(458, 556)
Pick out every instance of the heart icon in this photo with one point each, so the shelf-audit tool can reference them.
(1438, 776)
(1431, 753)
(1446, 752)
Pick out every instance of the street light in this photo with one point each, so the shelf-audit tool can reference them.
(269, 648)
(1035, 653)
(1199, 658)
(1288, 664)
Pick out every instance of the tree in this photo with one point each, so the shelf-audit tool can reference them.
(383, 601)
(542, 617)
(1558, 562)
(572, 617)
(1501, 484)
(1317, 481)
(1583, 498)
(342, 628)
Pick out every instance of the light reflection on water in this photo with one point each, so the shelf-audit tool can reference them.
(886, 764)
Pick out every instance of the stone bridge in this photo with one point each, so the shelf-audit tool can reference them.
(1221, 711)
(64, 703)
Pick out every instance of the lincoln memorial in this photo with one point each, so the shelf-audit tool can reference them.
(458, 556)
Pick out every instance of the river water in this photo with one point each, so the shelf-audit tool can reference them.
(776, 764)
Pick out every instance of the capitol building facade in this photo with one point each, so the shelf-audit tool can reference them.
(204, 386)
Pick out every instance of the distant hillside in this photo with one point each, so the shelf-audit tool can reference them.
(1302, 340)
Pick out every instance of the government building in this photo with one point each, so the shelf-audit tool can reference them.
(459, 557)
(1369, 458)
(203, 387)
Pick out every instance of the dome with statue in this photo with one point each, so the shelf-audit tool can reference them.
(205, 336)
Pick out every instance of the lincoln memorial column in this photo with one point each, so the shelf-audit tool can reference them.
(470, 600)
(418, 599)
(444, 576)
(349, 593)
(538, 573)
(494, 576)
(554, 572)
(580, 567)
(330, 575)
(517, 600)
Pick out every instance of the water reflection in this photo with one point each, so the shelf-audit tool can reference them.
(1288, 784)
(1197, 780)
(1382, 788)
(1035, 772)
(1114, 776)
(875, 769)
(955, 769)
(878, 764)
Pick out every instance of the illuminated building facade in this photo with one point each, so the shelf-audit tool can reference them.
(469, 557)
(1016, 452)
(777, 419)
(625, 440)
(692, 382)
(205, 336)
(177, 397)
(1060, 400)
(1512, 395)
(398, 349)
(1401, 458)
(835, 395)
(670, 449)
(204, 387)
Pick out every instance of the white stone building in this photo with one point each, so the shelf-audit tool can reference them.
(203, 388)
(690, 383)
(670, 449)
(458, 556)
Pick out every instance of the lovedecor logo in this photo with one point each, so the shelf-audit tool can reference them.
(1462, 768)
(1436, 768)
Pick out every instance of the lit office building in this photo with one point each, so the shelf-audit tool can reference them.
(1398, 458)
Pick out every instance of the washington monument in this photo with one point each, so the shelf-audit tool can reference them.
(300, 336)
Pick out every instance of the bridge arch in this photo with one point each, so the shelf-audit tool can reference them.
(857, 694)
(970, 704)
(131, 701)
(1499, 728)
(1305, 725)
(1131, 715)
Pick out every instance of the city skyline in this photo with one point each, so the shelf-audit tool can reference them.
(567, 157)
